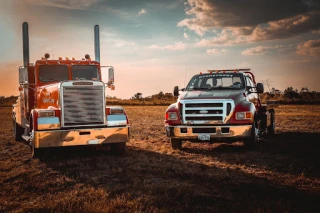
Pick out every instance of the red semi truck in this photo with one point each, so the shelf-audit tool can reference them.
(63, 103)
(220, 105)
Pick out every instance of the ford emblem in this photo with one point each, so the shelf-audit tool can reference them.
(203, 111)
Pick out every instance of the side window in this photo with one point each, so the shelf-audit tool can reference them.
(248, 83)
(253, 85)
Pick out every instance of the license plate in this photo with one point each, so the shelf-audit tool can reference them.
(204, 137)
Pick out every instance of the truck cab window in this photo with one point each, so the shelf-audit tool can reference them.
(53, 73)
(85, 72)
(216, 81)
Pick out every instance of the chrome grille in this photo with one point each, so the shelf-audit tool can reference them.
(83, 105)
(206, 111)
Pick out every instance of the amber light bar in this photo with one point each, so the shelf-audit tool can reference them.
(231, 70)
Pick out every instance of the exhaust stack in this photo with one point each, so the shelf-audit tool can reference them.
(97, 43)
(25, 43)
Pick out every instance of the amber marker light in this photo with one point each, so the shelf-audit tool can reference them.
(248, 115)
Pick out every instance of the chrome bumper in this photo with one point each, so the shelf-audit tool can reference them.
(76, 137)
(187, 132)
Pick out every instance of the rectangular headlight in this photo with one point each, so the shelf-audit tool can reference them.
(243, 115)
(116, 111)
(172, 116)
(47, 113)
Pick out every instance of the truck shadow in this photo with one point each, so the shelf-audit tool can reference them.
(297, 151)
(160, 182)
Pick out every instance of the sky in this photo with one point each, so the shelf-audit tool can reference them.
(155, 45)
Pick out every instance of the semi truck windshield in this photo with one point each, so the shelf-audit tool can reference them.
(49, 73)
(85, 72)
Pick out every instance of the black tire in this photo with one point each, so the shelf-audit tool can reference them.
(118, 148)
(17, 131)
(36, 152)
(176, 144)
(252, 142)
(272, 127)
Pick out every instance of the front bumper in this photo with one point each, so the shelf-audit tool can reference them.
(215, 132)
(76, 137)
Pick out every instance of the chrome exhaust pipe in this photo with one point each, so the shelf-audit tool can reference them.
(25, 44)
(97, 43)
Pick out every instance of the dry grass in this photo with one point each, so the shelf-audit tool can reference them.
(281, 176)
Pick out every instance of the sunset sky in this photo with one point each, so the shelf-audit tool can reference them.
(155, 45)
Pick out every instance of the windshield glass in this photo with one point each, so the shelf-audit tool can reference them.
(85, 72)
(216, 81)
(49, 73)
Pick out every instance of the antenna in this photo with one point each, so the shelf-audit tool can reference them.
(185, 74)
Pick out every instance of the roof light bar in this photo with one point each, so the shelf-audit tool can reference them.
(232, 70)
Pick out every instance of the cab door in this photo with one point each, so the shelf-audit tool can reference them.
(251, 91)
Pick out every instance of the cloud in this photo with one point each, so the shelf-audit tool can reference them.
(176, 46)
(122, 43)
(142, 11)
(226, 37)
(260, 50)
(315, 31)
(279, 19)
(311, 47)
(185, 35)
(216, 51)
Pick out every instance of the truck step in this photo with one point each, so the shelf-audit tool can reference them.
(26, 138)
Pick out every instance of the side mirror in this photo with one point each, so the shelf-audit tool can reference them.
(111, 76)
(260, 88)
(176, 91)
(107, 76)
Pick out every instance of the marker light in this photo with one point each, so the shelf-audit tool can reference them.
(60, 58)
(87, 56)
(67, 58)
(47, 55)
(73, 58)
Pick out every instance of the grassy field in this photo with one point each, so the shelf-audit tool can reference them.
(282, 175)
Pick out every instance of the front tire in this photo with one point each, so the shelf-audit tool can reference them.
(17, 131)
(36, 152)
(176, 144)
(251, 143)
(272, 127)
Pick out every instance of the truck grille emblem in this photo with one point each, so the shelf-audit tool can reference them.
(203, 111)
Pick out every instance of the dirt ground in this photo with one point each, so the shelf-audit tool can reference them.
(282, 175)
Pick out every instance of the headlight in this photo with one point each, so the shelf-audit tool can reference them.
(243, 115)
(47, 113)
(173, 116)
(116, 111)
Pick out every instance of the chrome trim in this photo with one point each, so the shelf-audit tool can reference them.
(77, 137)
(48, 123)
(243, 131)
(225, 117)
